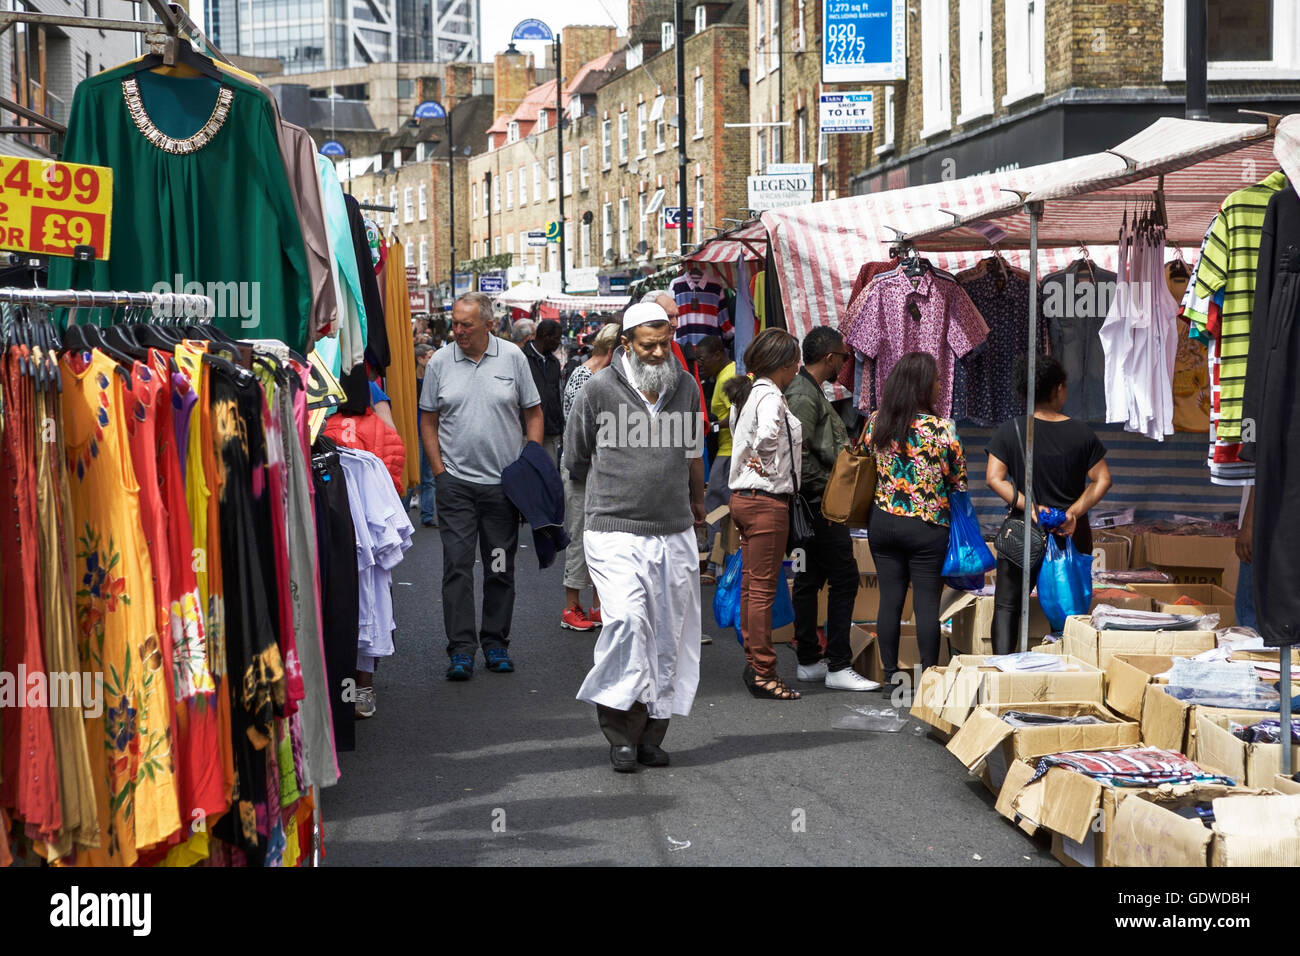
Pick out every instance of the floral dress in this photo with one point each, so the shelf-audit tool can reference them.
(914, 482)
(130, 744)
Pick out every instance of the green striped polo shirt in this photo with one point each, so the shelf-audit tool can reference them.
(1228, 262)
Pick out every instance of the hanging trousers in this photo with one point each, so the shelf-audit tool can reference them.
(907, 550)
(340, 598)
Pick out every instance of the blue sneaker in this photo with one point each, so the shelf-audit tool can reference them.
(462, 667)
(498, 660)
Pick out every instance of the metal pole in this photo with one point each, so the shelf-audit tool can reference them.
(683, 217)
(487, 203)
(1026, 583)
(1284, 658)
(1197, 86)
(451, 204)
(559, 153)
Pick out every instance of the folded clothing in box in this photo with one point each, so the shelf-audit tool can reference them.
(1018, 718)
(1108, 618)
(1134, 767)
(1220, 684)
(1267, 731)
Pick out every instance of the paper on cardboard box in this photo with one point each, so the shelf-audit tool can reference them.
(1259, 830)
(1127, 677)
(1096, 647)
(1255, 765)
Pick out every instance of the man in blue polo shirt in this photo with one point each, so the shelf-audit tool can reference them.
(475, 392)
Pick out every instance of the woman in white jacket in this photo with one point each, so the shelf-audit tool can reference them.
(766, 440)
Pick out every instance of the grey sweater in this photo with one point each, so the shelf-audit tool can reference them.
(636, 466)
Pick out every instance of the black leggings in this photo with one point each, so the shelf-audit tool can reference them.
(907, 550)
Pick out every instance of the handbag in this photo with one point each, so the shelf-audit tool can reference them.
(801, 518)
(1010, 540)
(851, 488)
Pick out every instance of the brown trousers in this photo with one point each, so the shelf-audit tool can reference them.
(763, 523)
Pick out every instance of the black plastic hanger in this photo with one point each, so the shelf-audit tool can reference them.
(186, 55)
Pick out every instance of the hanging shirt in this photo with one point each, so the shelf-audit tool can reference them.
(200, 192)
(1074, 302)
(701, 309)
(1004, 304)
(894, 317)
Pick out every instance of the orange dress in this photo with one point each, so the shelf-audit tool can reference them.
(130, 747)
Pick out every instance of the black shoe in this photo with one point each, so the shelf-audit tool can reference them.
(623, 759)
(648, 755)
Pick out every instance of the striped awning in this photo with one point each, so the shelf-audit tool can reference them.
(586, 303)
(745, 242)
(1190, 165)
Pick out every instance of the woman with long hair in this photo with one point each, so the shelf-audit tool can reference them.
(919, 462)
(766, 451)
(1070, 473)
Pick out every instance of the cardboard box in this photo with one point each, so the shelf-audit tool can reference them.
(1214, 600)
(985, 734)
(866, 606)
(972, 618)
(862, 554)
(727, 540)
(1137, 552)
(866, 652)
(1145, 829)
(1110, 552)
(1256, 830)
(927, 703)
(1285, 784)
(972, 684)
(1255, 765)
(1172, 724)
(1127, 677)
(1096, 647)
(1191, 558)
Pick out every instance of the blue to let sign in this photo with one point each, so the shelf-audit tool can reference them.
(864, 41)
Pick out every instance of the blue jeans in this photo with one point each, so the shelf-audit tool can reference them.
(1245, 602)
(428, 507)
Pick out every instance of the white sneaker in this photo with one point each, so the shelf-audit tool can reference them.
(849, 679)
(812, 672)
(365, 705)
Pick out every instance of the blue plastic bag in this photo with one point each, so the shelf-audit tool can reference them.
(782, 605)
(726, 598)
(1065, 582)
(968, 558)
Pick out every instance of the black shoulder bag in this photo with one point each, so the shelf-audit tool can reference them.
(801, 519)
(1010, 542)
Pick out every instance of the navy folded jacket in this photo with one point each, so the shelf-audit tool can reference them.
(533, 485)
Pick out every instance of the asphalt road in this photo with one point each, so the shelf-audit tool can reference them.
(510, 769)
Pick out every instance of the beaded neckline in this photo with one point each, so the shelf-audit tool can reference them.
(170, 144)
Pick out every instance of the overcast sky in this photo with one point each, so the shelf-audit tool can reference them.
(498, 19)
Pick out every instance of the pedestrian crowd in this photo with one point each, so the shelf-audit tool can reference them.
(642, 436)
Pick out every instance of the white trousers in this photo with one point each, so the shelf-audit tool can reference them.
(649, 646)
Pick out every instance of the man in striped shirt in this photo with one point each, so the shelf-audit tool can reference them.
(701, 306)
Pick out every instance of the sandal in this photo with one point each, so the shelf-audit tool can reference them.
(771, 688)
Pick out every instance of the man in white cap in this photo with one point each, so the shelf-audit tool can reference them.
(635, 438)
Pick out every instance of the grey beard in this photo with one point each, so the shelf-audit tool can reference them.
(655, 379)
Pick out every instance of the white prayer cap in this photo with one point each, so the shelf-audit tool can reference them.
(643, 312)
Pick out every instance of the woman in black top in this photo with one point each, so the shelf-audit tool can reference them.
(1070, 473)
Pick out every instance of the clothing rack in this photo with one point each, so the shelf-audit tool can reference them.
(176, 303)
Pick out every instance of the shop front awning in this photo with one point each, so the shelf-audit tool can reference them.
(1186, 167)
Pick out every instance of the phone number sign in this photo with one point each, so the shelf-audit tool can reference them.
(864, 41)
(51, 208)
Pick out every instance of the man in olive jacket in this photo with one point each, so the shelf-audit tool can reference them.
(828, 555)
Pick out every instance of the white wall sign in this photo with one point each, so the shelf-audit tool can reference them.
(784, 184)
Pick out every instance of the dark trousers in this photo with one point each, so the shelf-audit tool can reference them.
(828, 557)
(629, 728)
(336, 545)
(907, 550)
(471, 515)
(1010, 585)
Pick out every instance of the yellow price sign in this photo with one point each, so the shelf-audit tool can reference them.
(52, 208)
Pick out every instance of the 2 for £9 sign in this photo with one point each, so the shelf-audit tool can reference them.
(51, 208)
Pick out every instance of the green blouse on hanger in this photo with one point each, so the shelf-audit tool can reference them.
(200, 195)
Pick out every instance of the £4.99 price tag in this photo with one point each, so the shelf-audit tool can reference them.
(52, 208)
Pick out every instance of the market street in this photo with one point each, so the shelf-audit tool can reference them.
(442, 762)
